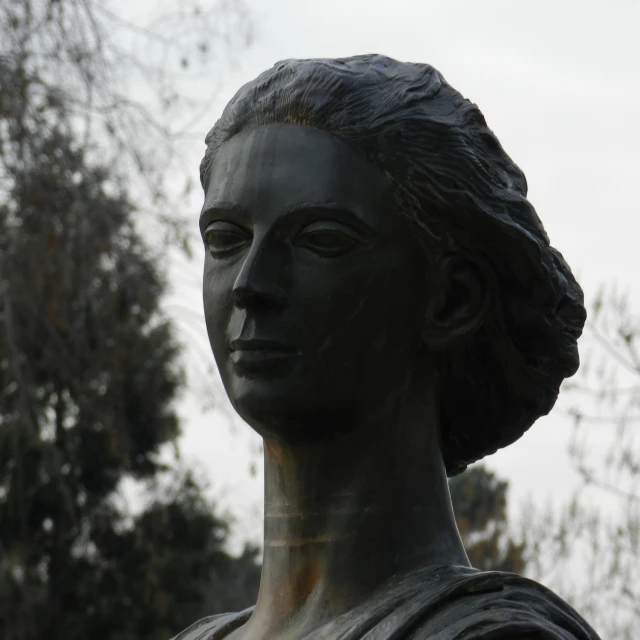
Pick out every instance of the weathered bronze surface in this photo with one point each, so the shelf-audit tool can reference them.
(384, 308)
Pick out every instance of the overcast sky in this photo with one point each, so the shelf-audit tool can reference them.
(559, 84)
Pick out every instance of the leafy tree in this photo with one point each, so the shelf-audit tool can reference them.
(88, 377)
(164, 571)
(130, 85)
(233, 583)
(88, 365)
(480, 505)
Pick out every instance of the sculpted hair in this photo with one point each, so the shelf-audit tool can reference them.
(451, 177)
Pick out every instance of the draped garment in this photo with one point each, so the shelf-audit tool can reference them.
(439, 603)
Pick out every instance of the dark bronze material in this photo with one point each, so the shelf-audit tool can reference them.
(384, 308)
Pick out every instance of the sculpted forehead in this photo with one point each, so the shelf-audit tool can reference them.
(275, 166)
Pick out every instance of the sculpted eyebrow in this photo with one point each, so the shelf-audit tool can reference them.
(306, 206)
(226, 208)
(331, 207)
(223, 207)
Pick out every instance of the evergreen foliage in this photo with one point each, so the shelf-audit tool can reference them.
(89, 368)
(480, 505)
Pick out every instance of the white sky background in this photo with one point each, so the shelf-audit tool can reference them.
(558, 82)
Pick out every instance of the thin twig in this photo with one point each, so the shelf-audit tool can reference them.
(612, 351)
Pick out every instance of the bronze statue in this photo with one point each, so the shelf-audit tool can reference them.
(384, 308)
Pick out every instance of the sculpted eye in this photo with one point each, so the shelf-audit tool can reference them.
(224, 238)
(327, 239)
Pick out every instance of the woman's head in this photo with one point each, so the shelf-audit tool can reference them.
(445, 172)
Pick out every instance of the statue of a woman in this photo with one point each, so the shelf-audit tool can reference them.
(384, 308)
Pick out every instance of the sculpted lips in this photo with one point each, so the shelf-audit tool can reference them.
(260, 356)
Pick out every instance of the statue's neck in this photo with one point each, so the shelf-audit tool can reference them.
(345, 516)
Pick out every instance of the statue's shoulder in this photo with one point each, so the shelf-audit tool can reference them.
(447, 603)
(476, 605)
(213, 627)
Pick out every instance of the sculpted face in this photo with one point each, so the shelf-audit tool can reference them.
(314, 291)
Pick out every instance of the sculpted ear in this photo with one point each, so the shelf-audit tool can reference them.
(458, 301)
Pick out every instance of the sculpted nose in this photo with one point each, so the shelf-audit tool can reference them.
(258, 283)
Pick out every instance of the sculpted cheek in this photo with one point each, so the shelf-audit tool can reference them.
(380, 342)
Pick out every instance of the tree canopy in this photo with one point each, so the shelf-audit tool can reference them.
(89, 365)
(479, 501)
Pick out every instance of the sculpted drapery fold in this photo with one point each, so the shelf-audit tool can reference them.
(442, 603)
